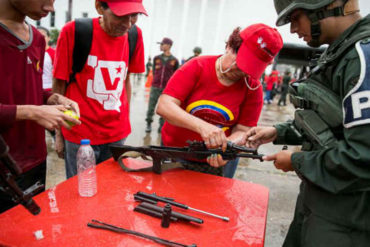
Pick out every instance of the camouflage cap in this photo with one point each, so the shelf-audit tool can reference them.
(197, 49)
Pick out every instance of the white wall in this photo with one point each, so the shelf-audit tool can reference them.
(189, 23)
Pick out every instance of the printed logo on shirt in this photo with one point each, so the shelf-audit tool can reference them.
(108, 83)
(38, 66)
(212, 112)
(356, 104)
(29, 61)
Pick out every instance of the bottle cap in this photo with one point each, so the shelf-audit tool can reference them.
(85, 142)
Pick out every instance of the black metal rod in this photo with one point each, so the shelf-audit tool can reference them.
(117, 229)
(161, 199)
(144, 199)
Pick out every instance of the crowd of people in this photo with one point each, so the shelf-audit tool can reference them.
(276, 84)
(215, 99)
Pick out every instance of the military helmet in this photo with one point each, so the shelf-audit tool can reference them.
(284, 8)
(197, 49)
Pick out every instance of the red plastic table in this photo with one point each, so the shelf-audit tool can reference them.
(64, 214)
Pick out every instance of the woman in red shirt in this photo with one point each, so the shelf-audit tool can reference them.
(218, 98)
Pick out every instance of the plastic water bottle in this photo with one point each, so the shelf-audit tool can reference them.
(87, 185)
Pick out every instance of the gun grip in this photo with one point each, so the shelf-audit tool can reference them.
(157, 166)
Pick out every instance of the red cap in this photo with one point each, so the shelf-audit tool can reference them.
(261, 44)
(126, 7)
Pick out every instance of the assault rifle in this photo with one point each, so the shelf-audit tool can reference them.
(9, 170)
(195, 151)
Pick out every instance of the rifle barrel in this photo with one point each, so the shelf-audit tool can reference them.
(252, 156)
(161, 199)
(142, 195)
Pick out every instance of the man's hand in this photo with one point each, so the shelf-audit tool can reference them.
(260, 135)
(52, 117)
(282, 160)
(216, 160)
(59, 144)
(58, 99)
(49, 116)
(212, 136)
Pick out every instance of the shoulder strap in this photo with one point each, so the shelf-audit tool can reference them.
(132, 40)
(81, 49)
(348, 43)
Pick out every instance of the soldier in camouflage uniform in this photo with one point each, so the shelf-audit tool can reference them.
(331, 123)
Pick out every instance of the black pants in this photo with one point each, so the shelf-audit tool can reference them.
(24, 181)
(310, 230)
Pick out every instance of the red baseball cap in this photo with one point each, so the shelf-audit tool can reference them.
(126, 7)
(261, 44)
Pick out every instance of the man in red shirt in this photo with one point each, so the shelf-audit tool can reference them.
(270, 85)
(100, 87)
(25, 108)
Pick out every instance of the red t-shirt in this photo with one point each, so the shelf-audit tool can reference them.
(137, 63)
(201, 94)
(99, 89)
(272, 79)
(21, 84)
(51, 52)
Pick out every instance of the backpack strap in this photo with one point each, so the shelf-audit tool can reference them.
(132, 40)
(82, 46)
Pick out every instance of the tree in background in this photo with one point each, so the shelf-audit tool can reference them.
(54, 34)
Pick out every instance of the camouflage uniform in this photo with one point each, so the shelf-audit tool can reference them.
(332, 125)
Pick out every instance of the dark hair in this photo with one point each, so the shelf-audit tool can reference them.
(235, 41)
(44, 29)
(104, 5)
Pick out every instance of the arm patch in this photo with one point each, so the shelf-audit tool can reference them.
(356, 104)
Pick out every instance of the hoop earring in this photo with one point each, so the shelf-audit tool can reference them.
(250, 88)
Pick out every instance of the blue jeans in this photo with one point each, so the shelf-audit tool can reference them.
(102, 153)
(268, 96)
(230, 168)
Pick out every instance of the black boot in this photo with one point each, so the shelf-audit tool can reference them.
(148, 128)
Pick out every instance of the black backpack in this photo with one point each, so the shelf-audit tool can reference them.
(83, 40)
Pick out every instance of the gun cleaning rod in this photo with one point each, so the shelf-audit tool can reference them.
(214, 215)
